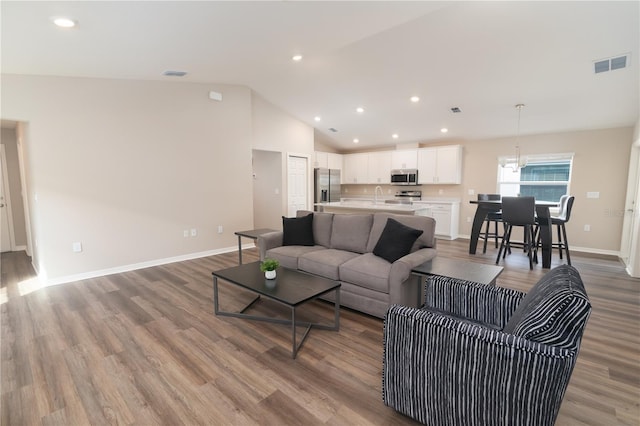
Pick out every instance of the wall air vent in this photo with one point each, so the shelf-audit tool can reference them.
(611, 64)
(174, 73)
(455, 110)
(333, 130)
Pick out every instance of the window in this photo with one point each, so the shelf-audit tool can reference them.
(546, 177)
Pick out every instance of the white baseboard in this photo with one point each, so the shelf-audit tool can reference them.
(142, 265)
(574, 248)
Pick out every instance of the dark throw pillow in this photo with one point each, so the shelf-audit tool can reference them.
(395, 241)
(297, 231)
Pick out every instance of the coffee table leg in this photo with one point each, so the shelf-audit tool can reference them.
(240, 249)
(294, 349)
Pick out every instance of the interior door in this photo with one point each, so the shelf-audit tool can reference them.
(629, 243)
(5, 225)
(297, 183)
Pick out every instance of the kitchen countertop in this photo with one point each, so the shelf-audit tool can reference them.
(369, 205)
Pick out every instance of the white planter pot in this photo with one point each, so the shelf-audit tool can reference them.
(270, 274)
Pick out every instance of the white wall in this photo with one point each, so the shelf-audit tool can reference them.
(125, 166)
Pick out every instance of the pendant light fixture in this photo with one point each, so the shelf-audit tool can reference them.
(520, 161)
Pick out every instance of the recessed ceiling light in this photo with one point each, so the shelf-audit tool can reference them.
(444, 130)
(63, 22)
(297, 58)
(395, 136)
(317, 118)
(356, 140)
(415, 99)
(360, 110)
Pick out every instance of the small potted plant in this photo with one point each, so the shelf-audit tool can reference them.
(269, 266)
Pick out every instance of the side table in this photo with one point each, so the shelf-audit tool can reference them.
(251, 233)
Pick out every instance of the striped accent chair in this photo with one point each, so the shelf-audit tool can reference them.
(475, 354)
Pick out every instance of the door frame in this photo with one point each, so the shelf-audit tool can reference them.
(630, 241)
(6, 190)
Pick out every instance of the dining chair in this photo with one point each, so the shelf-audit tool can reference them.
(492, 217)
(564, 214)
(518, 211)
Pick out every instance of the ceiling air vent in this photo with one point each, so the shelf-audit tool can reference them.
(175, 73)
(611, 64)
(455, 110)
(333, 130)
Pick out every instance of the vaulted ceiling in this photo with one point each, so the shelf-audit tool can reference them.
(482, 57)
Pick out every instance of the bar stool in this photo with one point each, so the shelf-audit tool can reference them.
(564, 214)
(518, 211)
(492, 217)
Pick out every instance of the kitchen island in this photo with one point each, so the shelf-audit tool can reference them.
(367, 206)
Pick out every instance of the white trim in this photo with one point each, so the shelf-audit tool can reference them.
(590, 250)
(133, 267)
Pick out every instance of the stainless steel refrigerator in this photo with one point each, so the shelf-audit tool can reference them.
(326, 185)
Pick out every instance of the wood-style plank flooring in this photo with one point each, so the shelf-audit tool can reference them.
(144, 348)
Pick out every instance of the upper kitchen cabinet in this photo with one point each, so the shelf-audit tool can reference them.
(404, 159)
(334, 161)
(380, 167)
(356, 168)
(327, 160)
(440, 165)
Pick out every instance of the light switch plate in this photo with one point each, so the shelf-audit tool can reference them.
(76, 247)
(593, 194)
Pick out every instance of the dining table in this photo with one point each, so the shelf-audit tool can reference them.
(543, 219)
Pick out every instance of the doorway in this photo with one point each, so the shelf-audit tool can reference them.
(630, 243)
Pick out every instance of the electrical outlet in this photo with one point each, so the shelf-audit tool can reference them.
(185, 233)
(440, 191)
(587, 228)
(76, 247)
(471, 192)
(468, 219)
(194, 232)
(219, 229)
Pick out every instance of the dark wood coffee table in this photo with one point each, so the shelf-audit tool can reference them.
(290, 288)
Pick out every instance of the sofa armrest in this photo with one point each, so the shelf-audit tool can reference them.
(268, 241)
(404, 288)
(478, 302)
(439, 370)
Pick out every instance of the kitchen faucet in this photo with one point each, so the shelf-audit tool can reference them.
(375, 195)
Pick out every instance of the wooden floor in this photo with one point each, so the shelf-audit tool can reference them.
(144, 348)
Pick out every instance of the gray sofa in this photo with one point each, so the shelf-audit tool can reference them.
(343, 251)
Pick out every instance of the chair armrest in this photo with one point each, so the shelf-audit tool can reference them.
(268, 241)
(478, 302)
(439, 370)
(404, 288)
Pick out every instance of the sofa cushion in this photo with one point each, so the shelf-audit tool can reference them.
(426, 224)
(297, 231)
(396, 241)
(368, 271)
(288, 255)
(351, 232)
(322, 223)
(554, 311)
(325, 262)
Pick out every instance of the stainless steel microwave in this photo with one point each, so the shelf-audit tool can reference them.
(404, 177)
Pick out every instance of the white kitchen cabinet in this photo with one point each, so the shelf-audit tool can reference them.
(440, 165)
(327, 160)
(320, 160)
(446, 215)
(379, 167)
(334, 161)
(404, 159)
(356, 168)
